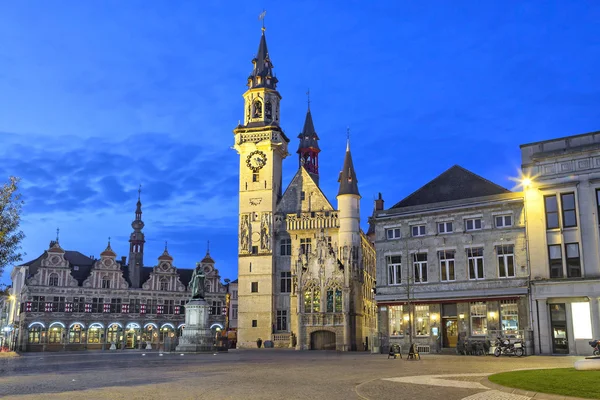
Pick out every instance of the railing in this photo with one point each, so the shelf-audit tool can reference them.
(281, 337)
(423, 348)
(323, 319)
(312, 220)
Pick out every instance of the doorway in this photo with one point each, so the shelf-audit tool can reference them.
(558, 324)
(132, 338)
(450, 327)
(322, 340)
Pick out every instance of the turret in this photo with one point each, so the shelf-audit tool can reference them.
(308, 148)
(348, 203)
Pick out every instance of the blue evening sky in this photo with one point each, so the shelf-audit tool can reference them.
(98, 97)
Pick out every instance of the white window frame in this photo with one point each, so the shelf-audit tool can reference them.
(392, 233)
(421, 230)
(505, 257)
(445, 265)
(503, 219)
(420, 266)
(475, 259)
(394, 270)
(443, 227)
(473, 221)
(478, 309)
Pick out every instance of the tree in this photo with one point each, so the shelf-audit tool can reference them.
(10, 218)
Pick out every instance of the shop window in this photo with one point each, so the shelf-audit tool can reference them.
(478, 318)
(94, 334)
(55, 335)
(509, 316)
(422, 320)
(34, 335)
(582, 322)
(75, 333)
(396, 321)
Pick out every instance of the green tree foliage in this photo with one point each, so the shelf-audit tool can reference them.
(10, 218)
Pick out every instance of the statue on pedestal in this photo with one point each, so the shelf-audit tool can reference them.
(197, 283)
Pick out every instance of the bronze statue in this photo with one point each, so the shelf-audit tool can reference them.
(197, 283)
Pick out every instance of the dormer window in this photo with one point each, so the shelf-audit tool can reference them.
(53, 280)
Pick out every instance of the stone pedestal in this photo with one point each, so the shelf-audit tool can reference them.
(196, 336)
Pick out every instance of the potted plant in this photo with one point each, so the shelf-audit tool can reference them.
(259, 342)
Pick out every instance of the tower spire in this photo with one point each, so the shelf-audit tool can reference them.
(348, 181)
(308, 148)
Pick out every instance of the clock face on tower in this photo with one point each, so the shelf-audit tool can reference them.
(256, 160)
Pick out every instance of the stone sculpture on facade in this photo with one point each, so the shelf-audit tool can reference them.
(244, 233)
(265, 232)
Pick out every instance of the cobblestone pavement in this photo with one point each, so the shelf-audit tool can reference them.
(258, 374)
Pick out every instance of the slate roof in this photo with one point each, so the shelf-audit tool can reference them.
(348, 181)
(263, 66)
(308, 137)
(456, 183)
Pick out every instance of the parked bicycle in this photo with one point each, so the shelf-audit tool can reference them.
(596, 345)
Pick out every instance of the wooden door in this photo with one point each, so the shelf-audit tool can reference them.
(450, 326)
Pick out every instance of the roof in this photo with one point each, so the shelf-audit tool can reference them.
(262, 66)
(348, 181)
(207, 259)
(308, 137)
(456, 183)
(85, 264)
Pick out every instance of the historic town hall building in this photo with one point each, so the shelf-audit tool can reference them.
(306, 271)
(68, 301)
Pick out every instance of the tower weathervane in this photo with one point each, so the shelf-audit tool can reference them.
(166, 245)
(57, 232)
(308, 97)
(348, 138)
(140, 192)
(262, 18)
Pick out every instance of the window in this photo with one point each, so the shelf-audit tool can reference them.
(420, 263)
(97, 305)
(393, 233)
(418, 230)
(182, 307)
(573, 260)
(164, 284)
(582, 322)
(551, 212)
(215, 309)
(334, 300)
(134, 305)
(479, 318)
(305, 246)
(422, 320)
(598, 204)
(234, 311)
(94, 334)
(555, 255)
(286, 282)
(506, 261)
(509, 316)
(396, 318)
(115, 305)
(312, 300)
(254, 288)
(282, 320)
(78, 304)
(53, 280)
(475, 261)
(445, 227)
(58, 304)
(567, 201)
(34, 334)
(503, 221)
(285, 247)
(446, 265)
(255, 177)
(38, 303)
(473, 224)
(55, 334)
(394, 270)
(152, 306)
(75, 333)
(254, 251)
(105, 282)
(234, 294)
(254, 323)
(302, 196)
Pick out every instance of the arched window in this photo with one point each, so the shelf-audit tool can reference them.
(75, 333)
(312, 299)
(334, 300)
(105, 282)
(257, 109)
(55, 334)
(35, 334)
(164, 284)
(53, 279)
(268, 110)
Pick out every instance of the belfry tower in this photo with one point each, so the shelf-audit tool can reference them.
(262, 146)
(308, 149)
(136, 246)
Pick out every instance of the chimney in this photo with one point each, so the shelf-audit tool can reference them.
(52, 243)
(379, 203)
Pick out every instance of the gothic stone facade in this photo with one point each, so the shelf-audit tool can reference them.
(305, 270)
